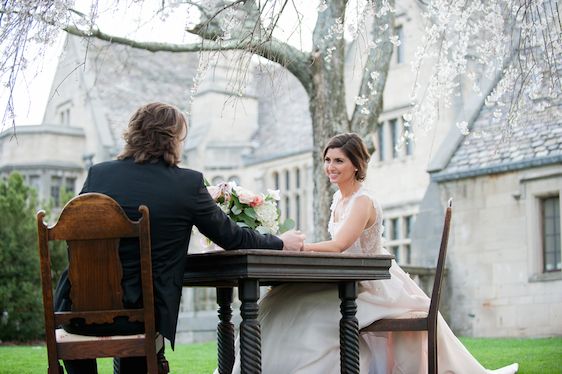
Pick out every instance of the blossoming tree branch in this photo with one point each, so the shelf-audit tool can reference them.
(465, 41)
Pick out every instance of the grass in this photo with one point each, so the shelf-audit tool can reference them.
(186, 359)
(533, 355)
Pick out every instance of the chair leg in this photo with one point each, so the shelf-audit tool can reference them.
(163, 366)
(55, 370)
(432, 352)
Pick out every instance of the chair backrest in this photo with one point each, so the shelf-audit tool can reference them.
(436, 292)
(92, 224)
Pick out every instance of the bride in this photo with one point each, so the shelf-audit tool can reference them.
(300, 322)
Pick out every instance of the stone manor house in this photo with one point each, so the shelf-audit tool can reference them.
(504, 272)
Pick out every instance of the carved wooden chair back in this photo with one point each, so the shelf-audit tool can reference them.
(92, 225)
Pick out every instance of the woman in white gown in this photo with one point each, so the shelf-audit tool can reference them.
(300, 322)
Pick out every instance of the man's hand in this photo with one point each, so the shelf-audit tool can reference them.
(293, 240)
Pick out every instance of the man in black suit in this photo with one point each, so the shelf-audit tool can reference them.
(146, 172)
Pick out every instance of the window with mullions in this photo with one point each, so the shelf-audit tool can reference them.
(69, 185)
(380, 137)
(56, 184)
(216, 180)
(550, 219)
(291, 185)
(276, 180)
(298, 212)
(394, 135)
(394, 140)
(398, 235)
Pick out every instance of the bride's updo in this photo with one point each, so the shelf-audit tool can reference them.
(354, 149)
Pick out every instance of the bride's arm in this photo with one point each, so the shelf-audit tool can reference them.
(361, 213)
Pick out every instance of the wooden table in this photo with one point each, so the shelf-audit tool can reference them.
(250, 269)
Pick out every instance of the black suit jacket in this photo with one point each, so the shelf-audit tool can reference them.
(177, 199)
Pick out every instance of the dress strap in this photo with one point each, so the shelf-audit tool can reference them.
(365, 192)
(335, 199)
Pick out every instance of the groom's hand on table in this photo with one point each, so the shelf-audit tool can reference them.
(293, 240)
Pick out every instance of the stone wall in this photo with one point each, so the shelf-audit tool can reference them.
(495, 266)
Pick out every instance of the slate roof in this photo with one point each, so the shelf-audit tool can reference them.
(285, 126)
(489, 149)
(125, 78)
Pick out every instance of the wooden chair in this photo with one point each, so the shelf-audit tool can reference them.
(92, 225)
(429, 321)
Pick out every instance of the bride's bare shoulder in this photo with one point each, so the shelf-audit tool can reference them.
(367, 195)
(364, 201)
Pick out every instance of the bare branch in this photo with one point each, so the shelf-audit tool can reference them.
(253, 38)
(294, 60)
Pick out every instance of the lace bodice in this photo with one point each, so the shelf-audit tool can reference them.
(370, 240)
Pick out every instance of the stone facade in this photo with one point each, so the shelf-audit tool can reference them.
(495, 267)
(259, 134)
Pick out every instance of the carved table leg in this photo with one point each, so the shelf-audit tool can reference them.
(250, 334)
(225, 331)
(349, 329)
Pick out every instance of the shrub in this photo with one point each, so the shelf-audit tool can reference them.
(20, 291)
(21, 308)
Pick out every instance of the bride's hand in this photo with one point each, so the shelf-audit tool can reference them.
(293, 240)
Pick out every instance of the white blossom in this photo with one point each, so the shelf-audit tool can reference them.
(360, 100)
(463, 127)
(395, 40)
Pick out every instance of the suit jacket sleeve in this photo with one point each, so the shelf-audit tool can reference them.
(217, 226)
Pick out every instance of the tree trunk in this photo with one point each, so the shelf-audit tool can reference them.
(327, 103)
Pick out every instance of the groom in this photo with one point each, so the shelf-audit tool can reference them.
(146, 172)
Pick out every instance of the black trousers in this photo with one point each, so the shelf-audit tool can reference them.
(125, 365)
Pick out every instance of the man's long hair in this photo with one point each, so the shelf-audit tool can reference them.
(153, 133)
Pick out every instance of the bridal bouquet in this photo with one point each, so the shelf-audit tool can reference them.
(249, 209)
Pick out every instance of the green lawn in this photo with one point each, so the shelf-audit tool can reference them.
(186, 359)
(533, 355)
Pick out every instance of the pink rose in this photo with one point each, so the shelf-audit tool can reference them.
(256, 201)
(245, 196)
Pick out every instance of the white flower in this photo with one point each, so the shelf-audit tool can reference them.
(275, 194)
(267, 215)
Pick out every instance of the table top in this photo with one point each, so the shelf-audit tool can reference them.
(225, 268)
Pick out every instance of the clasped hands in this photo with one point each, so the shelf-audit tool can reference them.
(293, 240)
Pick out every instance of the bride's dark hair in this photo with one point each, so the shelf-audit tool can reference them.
(355, 149)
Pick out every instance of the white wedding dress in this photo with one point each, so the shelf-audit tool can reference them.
(300, 322)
